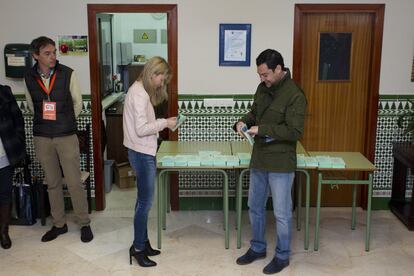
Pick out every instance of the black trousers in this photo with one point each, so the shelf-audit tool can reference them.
(6, 183)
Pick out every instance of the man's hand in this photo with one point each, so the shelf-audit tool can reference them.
(239, 126)
(253, 131)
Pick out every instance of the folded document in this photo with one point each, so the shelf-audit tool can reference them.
(180, 120)
(246, 135)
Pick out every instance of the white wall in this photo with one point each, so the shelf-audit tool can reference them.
(124, 25)
(198, 31)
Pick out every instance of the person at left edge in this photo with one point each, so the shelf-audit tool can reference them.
(53, 95)
(12, 152)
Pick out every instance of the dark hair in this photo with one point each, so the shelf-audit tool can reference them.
(272, 58)
(40, 42)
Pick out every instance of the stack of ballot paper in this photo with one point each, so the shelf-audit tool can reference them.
(180, 120)
(337, 162)
(167, 161)
(246, 135)
(232, 161)
(207, 157)
(244, 158)
(180, 160)
(300, 160)
(324, 161)
(206, 153)
(206, 160)
(214, 158)
(219, 161)
(311, 161)
(193, 161)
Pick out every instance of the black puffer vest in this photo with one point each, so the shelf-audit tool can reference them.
(65, 123)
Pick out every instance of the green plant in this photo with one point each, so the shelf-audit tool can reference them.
(406, 121)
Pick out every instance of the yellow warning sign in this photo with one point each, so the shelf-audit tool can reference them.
(145, 36)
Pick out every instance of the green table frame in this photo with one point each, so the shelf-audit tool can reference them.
(355, 163)
(162, 197)
(368, 182)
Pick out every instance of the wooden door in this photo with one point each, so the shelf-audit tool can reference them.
(93, 11)
(336, 52)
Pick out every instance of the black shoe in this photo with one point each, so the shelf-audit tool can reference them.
(54, 233)
(5, 240)
(250, 257)
(5, 215)
(141, 258)
(275, 266)
(86, 234)
(151, 251)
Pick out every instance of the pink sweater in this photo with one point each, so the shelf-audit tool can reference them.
(139, 123)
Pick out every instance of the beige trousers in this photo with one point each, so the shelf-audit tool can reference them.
(64, 151)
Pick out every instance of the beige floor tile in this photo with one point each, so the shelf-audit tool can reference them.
(193, 244)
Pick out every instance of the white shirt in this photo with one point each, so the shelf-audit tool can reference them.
(75, 92)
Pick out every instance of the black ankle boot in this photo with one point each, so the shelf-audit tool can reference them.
(4, 237)
(151, 251)
(141, 257)
(4, 226)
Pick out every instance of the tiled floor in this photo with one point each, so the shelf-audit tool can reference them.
(194, 245)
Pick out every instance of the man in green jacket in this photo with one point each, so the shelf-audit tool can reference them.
(276, 121)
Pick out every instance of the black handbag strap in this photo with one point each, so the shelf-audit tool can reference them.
(27, 175)
(19, 178)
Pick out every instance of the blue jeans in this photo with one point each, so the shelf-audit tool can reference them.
(280, 185)
(145, 169)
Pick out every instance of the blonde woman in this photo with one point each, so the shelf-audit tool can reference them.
(140, 137)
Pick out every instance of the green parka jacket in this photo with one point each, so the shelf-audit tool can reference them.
(279, 113)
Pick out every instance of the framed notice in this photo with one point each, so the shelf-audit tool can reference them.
(234, 44)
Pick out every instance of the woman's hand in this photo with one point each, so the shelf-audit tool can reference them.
(171, 122)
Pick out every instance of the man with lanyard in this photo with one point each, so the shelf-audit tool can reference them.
(53, 95)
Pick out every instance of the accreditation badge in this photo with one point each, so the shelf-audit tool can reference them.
(49, 111)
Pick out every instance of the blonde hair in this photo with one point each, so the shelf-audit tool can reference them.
(156, 66)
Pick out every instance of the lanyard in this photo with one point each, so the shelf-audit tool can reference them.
(52, 82)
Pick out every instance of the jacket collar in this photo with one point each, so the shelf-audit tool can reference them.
(275, 87)
(35, 69)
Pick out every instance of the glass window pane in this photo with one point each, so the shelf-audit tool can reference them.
(334, 56)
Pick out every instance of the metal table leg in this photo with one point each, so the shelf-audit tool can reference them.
(306, 243)
(162, 209)
(318, 209)
(354, 195)
(368, 230)
(239, 205)
(159, 208)
(299, 204)
(345, 182)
